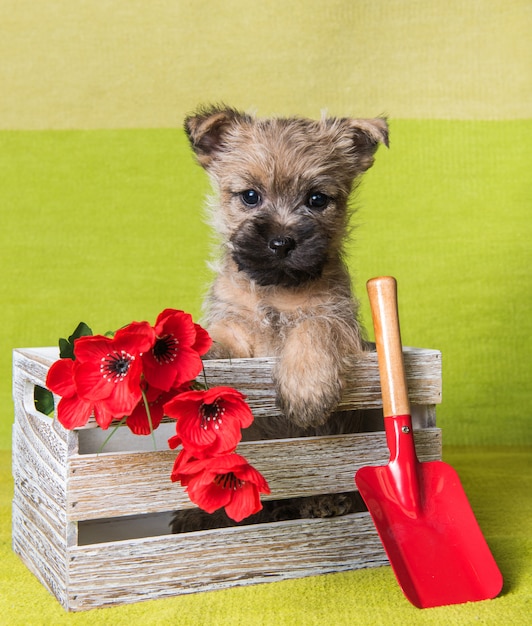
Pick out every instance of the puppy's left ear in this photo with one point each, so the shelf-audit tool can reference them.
(367, 134)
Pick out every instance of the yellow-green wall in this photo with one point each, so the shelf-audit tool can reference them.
(140, 63)
(103, 223)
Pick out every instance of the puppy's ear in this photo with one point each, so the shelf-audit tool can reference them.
(206, 130)
(367, 134)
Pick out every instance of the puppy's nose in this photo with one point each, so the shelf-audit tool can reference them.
(282, 245)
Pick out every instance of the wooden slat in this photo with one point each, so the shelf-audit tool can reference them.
(111, 485)
(253, 378)
(129, 571)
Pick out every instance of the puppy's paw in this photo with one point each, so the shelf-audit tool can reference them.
(195, 519)
(329, 505)
(307, 395)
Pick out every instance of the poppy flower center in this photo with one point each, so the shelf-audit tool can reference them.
(115, 365)
(165, 349)
(228, 481)
(211, 415)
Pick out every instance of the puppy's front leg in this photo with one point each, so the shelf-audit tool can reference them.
(230, 340)
(310, 373)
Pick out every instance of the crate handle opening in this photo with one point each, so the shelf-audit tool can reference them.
(43, 400)
(38, 400)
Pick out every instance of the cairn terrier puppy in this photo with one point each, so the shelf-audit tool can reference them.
(282, 289)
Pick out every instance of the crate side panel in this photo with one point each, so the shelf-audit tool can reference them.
(130, 571)
(34, 542)
(112, 485)
(41, 532)
(39, 482)
(40, 453)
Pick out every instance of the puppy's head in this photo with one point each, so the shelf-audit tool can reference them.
(282, 187)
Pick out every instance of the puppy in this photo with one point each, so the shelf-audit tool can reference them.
(281, 212)
(282, 288)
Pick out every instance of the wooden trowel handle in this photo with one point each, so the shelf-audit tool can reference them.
(383, 300)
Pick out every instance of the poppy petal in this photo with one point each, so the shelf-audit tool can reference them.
(173, 443)
(136, 338)
(245, 502)
(90, 383)
(103, 416)
(209, 497)
(60, 378)
(203, 340)
(181, 470)
(176, 323)
(137, 421)
(73, 412)
(92, 348)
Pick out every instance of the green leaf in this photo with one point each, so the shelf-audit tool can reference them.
(82, 330)
(66, 346)
(44, 400)
(66, 349)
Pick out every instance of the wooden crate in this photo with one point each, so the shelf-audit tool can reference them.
(93, 527)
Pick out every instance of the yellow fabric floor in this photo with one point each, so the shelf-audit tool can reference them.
(498, 482)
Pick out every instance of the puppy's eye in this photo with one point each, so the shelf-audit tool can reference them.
(250, 197)
(317, 200)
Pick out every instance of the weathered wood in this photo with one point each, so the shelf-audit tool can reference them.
(75, 510)
(124, 572)
(27, 373)
(253, 378)
(43, 552)
(120, 485)
(38, 481)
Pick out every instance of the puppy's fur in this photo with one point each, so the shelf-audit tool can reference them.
(280, 209)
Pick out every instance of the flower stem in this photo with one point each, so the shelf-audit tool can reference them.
(120, 423)
(205, 376)
(148, 413)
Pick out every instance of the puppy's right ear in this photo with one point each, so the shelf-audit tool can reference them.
(206, 130)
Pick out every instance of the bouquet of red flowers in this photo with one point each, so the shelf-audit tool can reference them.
(143, 373)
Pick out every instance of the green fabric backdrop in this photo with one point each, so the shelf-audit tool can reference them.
(107, 226)
(101, 206)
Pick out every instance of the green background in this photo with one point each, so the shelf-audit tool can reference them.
(106, 226)
(102, 220)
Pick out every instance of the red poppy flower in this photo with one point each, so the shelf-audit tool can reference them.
(108, 371)
(175, 356)
(209, 422)
(72, 411)
(224, 481)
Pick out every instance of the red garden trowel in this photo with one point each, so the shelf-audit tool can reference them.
(422, 515)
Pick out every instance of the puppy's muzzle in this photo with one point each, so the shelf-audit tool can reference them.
(282, 246)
